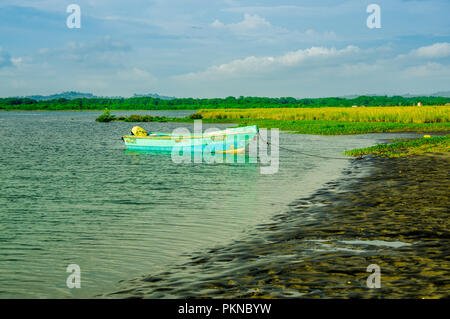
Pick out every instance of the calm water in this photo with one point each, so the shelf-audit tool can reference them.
(71, 194)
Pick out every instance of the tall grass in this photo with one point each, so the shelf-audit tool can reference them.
(411, 114)
(339, 127)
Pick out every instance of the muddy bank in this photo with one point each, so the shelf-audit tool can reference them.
(395, 216)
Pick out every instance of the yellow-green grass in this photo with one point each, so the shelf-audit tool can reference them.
(321, 127)
(410, 114)
(437, 144)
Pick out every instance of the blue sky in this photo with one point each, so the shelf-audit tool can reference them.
(217, 48)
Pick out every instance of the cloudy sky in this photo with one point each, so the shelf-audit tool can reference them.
(218, 48)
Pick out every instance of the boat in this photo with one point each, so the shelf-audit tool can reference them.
(230, 141)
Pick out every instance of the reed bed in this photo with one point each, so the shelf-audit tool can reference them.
(397, 114)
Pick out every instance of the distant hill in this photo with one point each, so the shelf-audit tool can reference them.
(71, 95)
(156, 96)
(442, 93)
(64, 95)
(354, 96)
(437, 94)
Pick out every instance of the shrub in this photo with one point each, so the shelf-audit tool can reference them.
(105, 117)
(196, 116)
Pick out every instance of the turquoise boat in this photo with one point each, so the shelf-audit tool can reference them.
(231, 140)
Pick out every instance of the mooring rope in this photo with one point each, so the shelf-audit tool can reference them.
(303, 153)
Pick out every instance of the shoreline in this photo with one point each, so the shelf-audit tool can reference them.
(386, 211)
(309, 127)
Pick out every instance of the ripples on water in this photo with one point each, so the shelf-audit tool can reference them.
(322, 246)
(71, 193)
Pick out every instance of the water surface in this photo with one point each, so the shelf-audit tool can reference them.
(72, 194)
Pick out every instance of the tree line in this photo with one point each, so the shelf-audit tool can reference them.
(150, 103)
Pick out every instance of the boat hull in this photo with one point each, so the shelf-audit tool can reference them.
(233, 140)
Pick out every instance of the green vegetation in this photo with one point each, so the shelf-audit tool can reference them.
(409, 114)
(346, 121)
(337, 121)
(437, 144)
(322, 127)
(107, 117)
(145, 118)
(196, 116)
(151, 103)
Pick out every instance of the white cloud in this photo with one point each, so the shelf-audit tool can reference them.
(255, 65)
(257, 27)
(16, 61)
(322, 71)
(435, 51)
(360, 68)
(217, 24)
(297, 57)
(135, 74)
(102, 52)
(430, 69)
(251, 24)
(101, 45)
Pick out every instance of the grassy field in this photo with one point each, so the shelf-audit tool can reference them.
(322, 121)
(437, 144)
(424, 114)
(336, 121)
(321, 127)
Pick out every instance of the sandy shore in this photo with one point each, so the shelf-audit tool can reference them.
(389, 212)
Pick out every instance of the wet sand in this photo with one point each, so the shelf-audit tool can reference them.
(389, 212)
